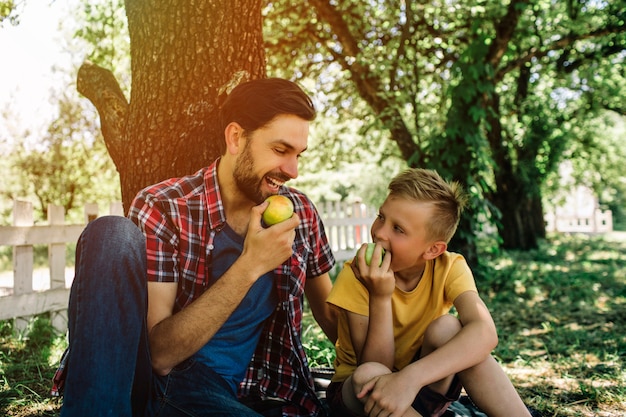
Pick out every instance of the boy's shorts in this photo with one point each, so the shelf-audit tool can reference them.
(428, 403)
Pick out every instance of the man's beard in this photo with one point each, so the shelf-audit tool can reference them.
(246, 181)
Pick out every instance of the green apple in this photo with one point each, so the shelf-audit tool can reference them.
(369, 251)
(279, 209)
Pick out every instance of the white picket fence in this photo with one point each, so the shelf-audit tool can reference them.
(27, 292)
(347, 226)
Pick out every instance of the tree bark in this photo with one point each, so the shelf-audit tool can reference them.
(521, 222)
(518, 226)
(184, 57)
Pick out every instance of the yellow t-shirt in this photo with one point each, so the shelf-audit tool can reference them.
(444, 279)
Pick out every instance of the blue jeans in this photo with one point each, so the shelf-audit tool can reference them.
(108, 368)
(193, 389)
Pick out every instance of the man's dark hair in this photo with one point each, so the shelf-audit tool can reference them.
(256, 103)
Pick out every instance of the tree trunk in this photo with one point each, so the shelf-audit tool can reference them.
(538, 218)
(185, 56)
(517, 199)
(519, 227)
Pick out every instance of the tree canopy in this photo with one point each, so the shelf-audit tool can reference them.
(488, 93)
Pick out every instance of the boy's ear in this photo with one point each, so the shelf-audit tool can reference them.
(436, 249)
(232, 135)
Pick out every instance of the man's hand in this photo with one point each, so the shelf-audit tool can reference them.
(267, 248)
(389, 395)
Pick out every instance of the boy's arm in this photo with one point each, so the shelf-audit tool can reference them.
(316, 291)
(470, 346)
(372, 337)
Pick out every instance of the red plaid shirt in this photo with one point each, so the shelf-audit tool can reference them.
(180, 218)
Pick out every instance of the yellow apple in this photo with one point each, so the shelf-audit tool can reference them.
(279, 209)
(369, 251)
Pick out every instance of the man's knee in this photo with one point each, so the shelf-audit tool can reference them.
(116, 231)
(113, 225)
(111, 238)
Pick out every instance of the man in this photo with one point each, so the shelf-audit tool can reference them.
(222, 324)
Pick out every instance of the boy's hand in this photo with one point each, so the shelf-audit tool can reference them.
(389, 395)
(378, 279)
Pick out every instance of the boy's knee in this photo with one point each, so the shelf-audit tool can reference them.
(441, 330)
(364, 372)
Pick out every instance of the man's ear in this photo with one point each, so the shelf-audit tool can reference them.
(435, 249)
(232, 136)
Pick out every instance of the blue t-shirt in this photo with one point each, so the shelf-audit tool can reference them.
(230, 350)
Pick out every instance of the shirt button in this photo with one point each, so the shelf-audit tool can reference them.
(211, 247)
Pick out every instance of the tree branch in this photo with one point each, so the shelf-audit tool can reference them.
(505, 29)
(561, 43)
(102, 89)
(333, 17)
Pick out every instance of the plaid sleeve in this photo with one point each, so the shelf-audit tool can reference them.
(321, 259)
(58, 380)
(161, 237)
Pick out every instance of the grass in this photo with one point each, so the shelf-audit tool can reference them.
(560, 312)
(27, 364)
(561, 315)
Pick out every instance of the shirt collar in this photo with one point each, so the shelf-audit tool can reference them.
(215, 206)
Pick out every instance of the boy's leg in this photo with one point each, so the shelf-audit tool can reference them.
(353, 385)
(434, 399)
(486, 383)
(108, 356)
(492, 391)
(438, 333)
(336, 402)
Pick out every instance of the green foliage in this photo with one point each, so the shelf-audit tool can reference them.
(598, 162)
(105, 30)
(365, 182)
(68, 165)
(9, 11)
(319, 350)
(558, 309)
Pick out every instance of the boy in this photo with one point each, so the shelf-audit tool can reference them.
(399, 352)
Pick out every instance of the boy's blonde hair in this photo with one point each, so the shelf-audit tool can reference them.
(427, 186)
